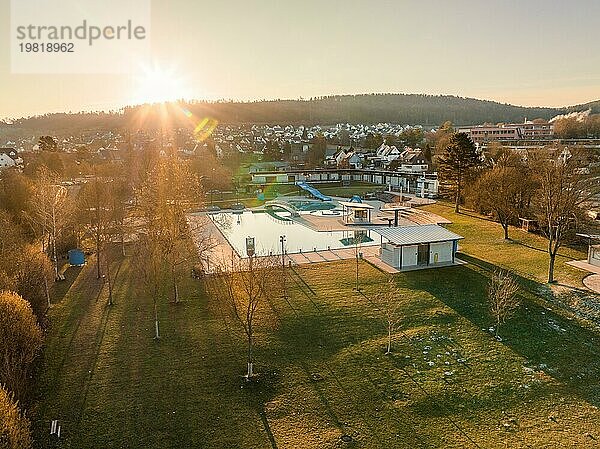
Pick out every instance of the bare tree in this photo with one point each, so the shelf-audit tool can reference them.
(387, 301)
(95, 215)
(168, 192)
(358, 239)
(51, 208)
(502, 296)
(566, 182)
(241, 286)
(152, 269)
(505, 191)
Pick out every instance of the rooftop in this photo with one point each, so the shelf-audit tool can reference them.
(414, 235)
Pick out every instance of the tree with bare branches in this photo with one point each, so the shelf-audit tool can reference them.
(357, 240)
(387, 301)
(502, 297)
(164, 245)
(567, 180)
(241, 286)
(504, 191)
(51, 208)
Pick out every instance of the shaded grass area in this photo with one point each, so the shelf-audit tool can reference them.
(323, 372)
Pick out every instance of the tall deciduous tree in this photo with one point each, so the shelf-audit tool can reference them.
(241, 287)
(457, 165)
(51, 207)
(94, 206)
(566, 182)
(505, 191)
(20, 342)
(169, 190)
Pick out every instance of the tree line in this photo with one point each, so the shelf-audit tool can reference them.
(365, 108)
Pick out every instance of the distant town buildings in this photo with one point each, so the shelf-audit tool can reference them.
(529, 130)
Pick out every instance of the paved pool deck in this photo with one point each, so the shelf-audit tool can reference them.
(218, 250)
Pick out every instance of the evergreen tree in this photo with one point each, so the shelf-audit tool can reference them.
(457, 164)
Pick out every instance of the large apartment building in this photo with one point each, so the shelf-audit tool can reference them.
(510, 131)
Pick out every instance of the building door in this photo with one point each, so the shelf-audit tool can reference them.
(423, 254)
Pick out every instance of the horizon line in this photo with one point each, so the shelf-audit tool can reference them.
(117, 109)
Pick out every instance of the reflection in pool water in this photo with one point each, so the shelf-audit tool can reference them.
(266, 231)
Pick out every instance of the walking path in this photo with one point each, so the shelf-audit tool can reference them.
(593, 281)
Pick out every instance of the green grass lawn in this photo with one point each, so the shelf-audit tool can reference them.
(449, 382)
(525, 254)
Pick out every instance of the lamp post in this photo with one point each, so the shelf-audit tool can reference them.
(282, 241)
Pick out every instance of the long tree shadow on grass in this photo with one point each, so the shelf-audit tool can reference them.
(546, 339)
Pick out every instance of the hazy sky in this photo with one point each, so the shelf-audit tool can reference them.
(527, 52)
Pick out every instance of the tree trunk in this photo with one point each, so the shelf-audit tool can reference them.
(551, 268)
(98, 268)
(457, 199)
(357, 270)
(156, 330)
(47, 290)
(552, 250)
(505, 227)
(110, 297)
(250, 361)
(457, 202)
(389, 345)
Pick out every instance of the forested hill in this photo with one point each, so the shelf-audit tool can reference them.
(369, 108)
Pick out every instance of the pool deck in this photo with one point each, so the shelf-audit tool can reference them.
(219, 250)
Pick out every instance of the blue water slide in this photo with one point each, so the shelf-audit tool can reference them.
(314, 192)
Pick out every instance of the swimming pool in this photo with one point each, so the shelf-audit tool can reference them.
(266, 230)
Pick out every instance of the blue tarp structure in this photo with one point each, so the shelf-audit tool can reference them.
(76, 257)
(314, 192)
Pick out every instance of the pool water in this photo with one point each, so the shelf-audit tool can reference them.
(266, 231)
(308, 205)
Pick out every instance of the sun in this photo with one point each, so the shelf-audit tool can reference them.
(159, 85)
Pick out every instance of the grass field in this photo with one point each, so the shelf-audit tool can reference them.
(449, 382)
(525, 254)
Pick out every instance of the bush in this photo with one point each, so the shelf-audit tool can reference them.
(15, 432)
(20, 341)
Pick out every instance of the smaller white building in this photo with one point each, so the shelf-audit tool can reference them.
(6, 161)
(593, 248)
(411, 247)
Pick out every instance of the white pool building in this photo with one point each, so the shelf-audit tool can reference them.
(412, 247)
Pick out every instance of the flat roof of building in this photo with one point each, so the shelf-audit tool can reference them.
(414, 235)
(590, 236)
(356, 205)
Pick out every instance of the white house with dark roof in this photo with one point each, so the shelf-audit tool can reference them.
(9, 158)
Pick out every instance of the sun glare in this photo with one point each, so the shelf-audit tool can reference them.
(158, 85)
